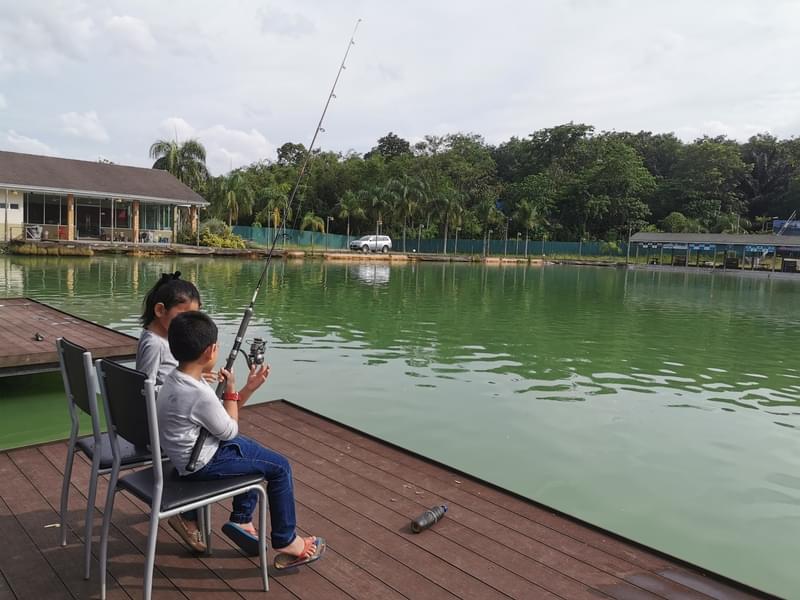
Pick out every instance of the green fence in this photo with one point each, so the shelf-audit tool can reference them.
(512, 246)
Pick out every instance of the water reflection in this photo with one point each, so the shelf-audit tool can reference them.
(372, 274)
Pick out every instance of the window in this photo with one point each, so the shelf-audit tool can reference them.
(52, 210)
(34, 208)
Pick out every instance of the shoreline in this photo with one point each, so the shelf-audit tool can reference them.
(97, 248)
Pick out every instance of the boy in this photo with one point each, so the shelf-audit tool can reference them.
(186, 403)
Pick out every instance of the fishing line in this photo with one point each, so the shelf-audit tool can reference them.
(248, 312)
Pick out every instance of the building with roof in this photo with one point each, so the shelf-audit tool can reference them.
(727, 250)
(43, 197)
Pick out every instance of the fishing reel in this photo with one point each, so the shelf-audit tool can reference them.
(258, 348)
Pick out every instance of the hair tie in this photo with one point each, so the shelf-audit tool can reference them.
(176, 275)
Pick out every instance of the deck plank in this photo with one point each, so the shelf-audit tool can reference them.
(360, 494)
(22, 318)
(440, 486)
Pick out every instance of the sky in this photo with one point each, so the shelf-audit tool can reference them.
(105, 79)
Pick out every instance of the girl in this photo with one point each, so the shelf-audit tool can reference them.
(170, 296)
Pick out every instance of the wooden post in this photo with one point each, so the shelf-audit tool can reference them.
(70, 217)
(193, 219)
(135, 218)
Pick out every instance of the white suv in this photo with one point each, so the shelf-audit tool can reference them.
(372, 243)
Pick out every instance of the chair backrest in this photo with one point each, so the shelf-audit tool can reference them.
(79, 383)
(130, 402)
(124, 394)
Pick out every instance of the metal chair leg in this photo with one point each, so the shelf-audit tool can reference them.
(65, 487)
(87, 541)
(107, 511)
(150, 559)
(262, 535)
(206, 510)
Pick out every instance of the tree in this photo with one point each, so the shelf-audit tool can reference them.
(312, 222)
(707, 180)
(350, 207)
(450, 207)
(186, 161)
(238, 196)
(291, 154)
(390, 146)
(409, 193)
(769, 171)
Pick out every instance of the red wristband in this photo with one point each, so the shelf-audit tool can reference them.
(231, 396)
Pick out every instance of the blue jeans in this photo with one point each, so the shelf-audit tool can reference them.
(243, 456)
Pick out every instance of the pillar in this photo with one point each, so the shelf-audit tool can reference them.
(70, 217)
(193, 219)
(135, 221)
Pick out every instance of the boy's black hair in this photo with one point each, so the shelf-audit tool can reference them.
(170, 290)
(190, 333)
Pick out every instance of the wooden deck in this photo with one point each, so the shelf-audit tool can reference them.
(360, 494)
(20, 352)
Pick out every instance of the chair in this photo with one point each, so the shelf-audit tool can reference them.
(130, 405)
(81, 391)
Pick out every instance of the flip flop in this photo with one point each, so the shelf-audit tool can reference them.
(287, 561)
(244, 539)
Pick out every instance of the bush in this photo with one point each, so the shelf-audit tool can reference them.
(215, 226)
(213, 240)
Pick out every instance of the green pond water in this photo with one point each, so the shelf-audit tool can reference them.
(662, 406)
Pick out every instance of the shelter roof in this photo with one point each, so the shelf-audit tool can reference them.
(84, 178)
(733, 239)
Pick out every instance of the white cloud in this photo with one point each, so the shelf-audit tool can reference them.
(226, 148)
(3, 103)
(17, 142)
(131, 32)
(34, 35)
(85, 125)
(275, 20)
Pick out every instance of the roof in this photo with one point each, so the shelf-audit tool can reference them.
(732, 239)
(84, 178)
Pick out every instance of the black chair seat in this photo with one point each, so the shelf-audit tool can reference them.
(179, 491)
(130, 454)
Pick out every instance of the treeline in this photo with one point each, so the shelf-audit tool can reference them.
(562, 183)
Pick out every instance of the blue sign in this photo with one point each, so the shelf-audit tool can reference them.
(708, 247)
(676, 247)
(760, 248)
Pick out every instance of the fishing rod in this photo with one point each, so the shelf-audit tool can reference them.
(256, 355)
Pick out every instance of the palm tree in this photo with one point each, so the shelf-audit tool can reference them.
(530, 215)
(410, 194)
(375, 197)
(238, 196)
(350, 206)
(186, 161)
(312, 221)
(451, 207)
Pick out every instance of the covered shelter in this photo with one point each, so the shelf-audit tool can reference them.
(723, 250)
(43, 197)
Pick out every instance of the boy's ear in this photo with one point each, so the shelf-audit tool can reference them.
(208, 353)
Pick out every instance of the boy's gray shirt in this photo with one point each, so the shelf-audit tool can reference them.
(154, 357)
(184, 406)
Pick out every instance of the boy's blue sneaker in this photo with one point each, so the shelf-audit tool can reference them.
(242, 538)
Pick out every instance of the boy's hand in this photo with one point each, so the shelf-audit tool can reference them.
(256, 378)
(230, 380)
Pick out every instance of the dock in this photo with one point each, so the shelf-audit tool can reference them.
(28, 333)
(360, 494)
